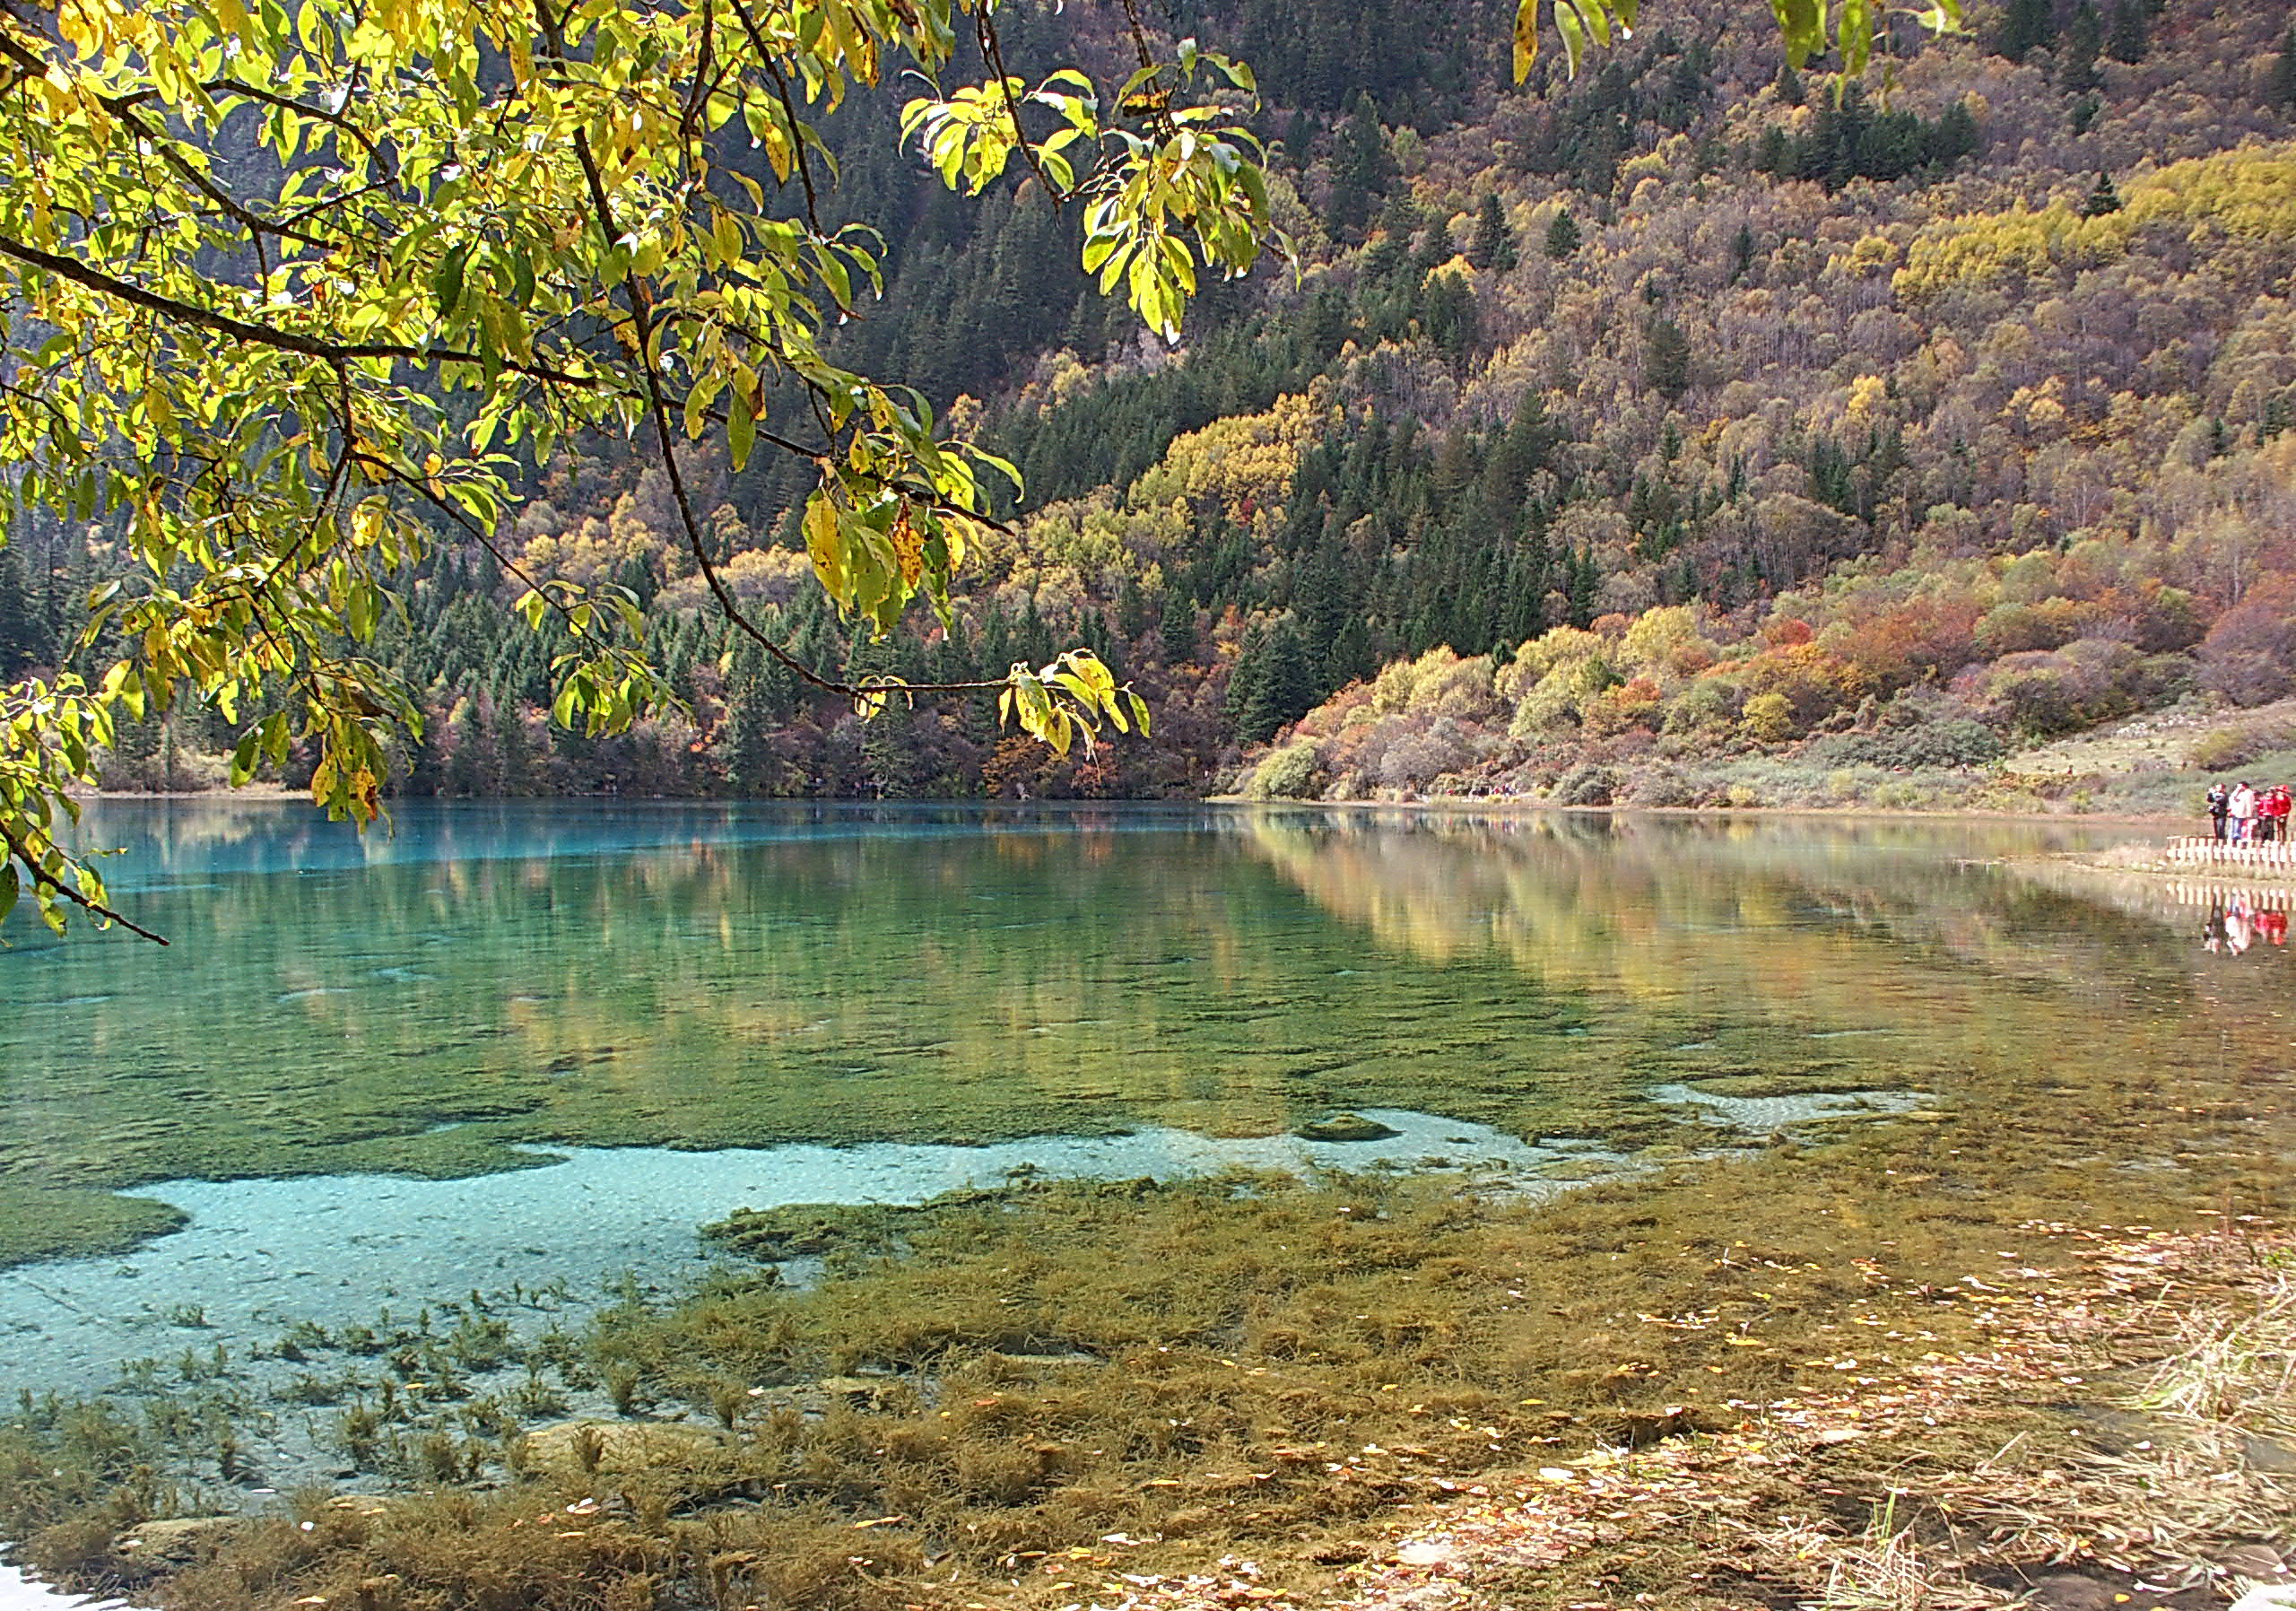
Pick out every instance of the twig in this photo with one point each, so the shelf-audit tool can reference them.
(49, 881)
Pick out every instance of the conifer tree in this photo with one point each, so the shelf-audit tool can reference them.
(1435, 248)
(1244, 679)
(1179, 633)
(2126, 38)
(1493, 245)
(23, 642)
(2026, 26)
(1361, 165)
(2102, 199)
(514, 757)
(2076, 68)
(1585, 581)
(1562, 236)
(1666, 359)
(2282, 83)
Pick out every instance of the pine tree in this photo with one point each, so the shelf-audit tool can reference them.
(1244, 679)
(2026, 25)
(1790, 84)
(2125, 36)
(1586, 583)
(514, 756)
(2102, 199)
(1288, 689)
(1448, 314)
(2282, 83)
(2076, 67)
(22, 640)
(1179, 633)
(1666, 359)
(1435, 249)
(1955, 135)
(745, 740)
(1493, 245)
(1363, 166)
(1562, 236)
(1742, 253)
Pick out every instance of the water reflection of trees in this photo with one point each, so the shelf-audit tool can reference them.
(1803, 918)
(818, 974)
(2082, 1032)
(744, 975)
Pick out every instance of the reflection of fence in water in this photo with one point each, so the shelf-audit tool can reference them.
(2263, 898)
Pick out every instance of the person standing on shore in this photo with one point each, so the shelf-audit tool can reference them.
(2243, 809)
(2273, 810)
(2219, 803)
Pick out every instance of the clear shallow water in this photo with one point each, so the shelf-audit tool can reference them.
(894, 983)
(259, 1255)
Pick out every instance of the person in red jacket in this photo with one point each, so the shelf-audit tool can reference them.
(2271, 813)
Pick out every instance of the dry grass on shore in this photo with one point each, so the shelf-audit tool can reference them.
(2125, 1440)
(2088, 1417)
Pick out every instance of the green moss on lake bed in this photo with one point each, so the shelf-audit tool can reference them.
(39, 1223)
(431, 1018)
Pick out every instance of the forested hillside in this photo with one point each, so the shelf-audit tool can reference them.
(1674, 434)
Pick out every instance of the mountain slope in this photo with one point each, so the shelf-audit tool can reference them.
(1674, 434)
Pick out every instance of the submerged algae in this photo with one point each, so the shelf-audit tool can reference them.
(1258, 1332)
(41, 1223)
(1277, 1359)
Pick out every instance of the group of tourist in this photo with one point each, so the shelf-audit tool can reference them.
(2245, 814)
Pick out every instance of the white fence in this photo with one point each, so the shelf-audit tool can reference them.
(2212, 856)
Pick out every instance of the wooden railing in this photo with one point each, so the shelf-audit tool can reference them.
(2279, 856)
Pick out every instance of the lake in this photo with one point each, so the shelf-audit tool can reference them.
(527, 1047)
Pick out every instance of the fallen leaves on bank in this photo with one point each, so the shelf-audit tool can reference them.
(1959, 1482)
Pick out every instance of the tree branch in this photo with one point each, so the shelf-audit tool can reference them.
(47, 881)
(992, 51)
(264, 335)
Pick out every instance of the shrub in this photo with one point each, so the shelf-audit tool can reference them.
(1416, 758)
(1705, 710)
(2230, 747)
(1662, 787)
(1951, 742)
(2249, 655)
(1586, 786)
(1294, 772)
(1768, 719)
(2046, 693)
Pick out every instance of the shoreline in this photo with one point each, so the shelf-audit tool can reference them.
(1458, 804)
(1463, 806)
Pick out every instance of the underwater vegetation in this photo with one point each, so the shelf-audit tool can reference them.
(959, 1391)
